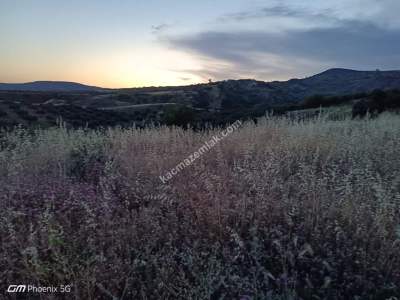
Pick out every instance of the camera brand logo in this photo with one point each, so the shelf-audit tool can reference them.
(13, 288)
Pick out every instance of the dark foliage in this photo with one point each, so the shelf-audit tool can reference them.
(377, 102)
(179, 116)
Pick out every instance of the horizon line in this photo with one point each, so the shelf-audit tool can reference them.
(191, 84)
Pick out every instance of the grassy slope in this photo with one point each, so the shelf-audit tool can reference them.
(278, 210)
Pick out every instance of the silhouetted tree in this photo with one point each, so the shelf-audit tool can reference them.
(179, 116)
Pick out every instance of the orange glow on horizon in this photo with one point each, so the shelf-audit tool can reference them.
(120, 69)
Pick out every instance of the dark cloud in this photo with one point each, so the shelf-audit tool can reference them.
(352, 44)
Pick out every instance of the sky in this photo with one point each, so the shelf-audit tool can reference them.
(127, 43)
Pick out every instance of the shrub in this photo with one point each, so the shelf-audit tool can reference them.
(314, 101)
(30, 118)
(179, 116)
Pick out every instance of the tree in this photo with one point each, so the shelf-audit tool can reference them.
(179, 116)
(202, 99)
(314, 101)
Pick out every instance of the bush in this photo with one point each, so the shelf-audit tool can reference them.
(86, 163)
(377, 102)
(179, 116)
(31, 118)
(314, 101)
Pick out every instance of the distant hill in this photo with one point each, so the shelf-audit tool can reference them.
(49, 86)
(216, 102)
(340, 82)
(331, 82)
(234, 95)
(254, 94)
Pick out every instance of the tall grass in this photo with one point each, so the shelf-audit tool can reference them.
(279, 210)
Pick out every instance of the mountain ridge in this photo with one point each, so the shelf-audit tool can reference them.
(49, 85)
(339, 81)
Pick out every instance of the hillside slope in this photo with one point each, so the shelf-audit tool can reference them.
(254, 94)
(63, 86)
(340, 82)
(216, 102)
(331, 82)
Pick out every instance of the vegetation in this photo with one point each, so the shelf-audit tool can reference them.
(377, 102)
(215, 103)
(326, 101)
(279, 210)
(74, 116)
(179, 115)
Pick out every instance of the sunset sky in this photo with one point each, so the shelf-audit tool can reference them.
(125, 43)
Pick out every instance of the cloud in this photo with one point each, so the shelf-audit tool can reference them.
(156, 29)
(379, 11)
(261, 54)
(281, 10)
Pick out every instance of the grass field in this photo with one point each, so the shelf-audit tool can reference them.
(279, 210)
